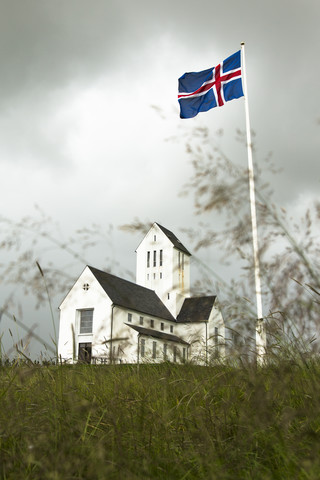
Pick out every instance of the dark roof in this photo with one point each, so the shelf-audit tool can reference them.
(174, 240)
(156, 334)
(131, 296)
(196, 309)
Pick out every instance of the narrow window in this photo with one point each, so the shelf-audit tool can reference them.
(184, 355)
(171, 328)
(175, 353)
(148, 259)
(147, 276)
(161, 258)
(165, 349)
(154, 258)
(154, 276)
(154, 238)
(154, 349)
(141, 320)
(216, 341)
(182, 261)
(162, 326)
(168, 296)
(142, 346)
(86, 317)
(179, 260)
(130, 317)
(151, 323)
(160, 274)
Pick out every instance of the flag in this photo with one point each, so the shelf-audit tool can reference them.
(201, 91)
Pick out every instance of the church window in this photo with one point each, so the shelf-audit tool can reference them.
(154, 258)
(171, 328)
(154, 349)
(141, 321)
(161, 257)
(165, 349)
(160, 274)
(148, 259)
(151, 323)
(86, 286)
(175, 353)
(216, 341)
(130, 317)
(162, 326)
(216, 335)
(142, 347)
(86, 317)
(154, 238)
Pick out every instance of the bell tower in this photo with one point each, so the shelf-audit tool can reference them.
(163, 265)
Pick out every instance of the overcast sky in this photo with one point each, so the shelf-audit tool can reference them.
(79, 136)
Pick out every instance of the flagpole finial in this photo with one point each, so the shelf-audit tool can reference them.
(242, 43)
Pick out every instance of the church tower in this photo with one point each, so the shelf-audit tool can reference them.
(163, 265)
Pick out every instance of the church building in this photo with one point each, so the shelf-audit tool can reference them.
(106, 319)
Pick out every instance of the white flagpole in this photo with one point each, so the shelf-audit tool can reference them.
(261, 340)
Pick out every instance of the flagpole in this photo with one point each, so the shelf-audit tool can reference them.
(260, 326)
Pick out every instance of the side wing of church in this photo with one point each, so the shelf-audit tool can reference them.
(106, 319)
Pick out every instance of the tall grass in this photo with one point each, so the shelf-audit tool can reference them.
(163, 422)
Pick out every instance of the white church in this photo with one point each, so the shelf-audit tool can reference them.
(106, 319)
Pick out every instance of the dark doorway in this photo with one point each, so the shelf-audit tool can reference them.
(85, 350)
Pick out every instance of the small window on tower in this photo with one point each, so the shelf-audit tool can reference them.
(148, 259)
(154, 258)
(161, 258)
(154, 238)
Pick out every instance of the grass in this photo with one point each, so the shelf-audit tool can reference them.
(161, 422)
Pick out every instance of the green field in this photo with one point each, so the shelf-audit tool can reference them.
(161, 421)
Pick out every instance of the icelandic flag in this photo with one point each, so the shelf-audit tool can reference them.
(201, 91)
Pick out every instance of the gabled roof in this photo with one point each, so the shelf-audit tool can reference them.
(156, 334)
(196, 309)
(131, 296)
(174, 240)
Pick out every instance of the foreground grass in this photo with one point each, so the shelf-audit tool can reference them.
(163, 422)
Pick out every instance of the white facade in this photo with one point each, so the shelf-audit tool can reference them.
(106, 319)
